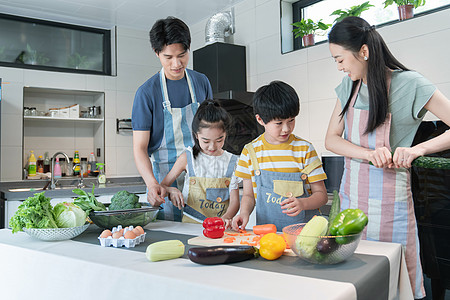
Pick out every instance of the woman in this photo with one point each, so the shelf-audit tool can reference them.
(380, 106)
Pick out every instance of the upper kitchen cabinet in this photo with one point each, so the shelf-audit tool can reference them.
(63, 120)
(51, 46)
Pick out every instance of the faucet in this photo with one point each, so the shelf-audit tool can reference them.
(81, 183)
(52, 185)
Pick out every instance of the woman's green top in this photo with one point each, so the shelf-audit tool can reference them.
(408, 93)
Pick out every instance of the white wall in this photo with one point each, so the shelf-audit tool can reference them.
(421, 44)
(135, 64)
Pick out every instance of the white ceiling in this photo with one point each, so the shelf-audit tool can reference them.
(137, 14)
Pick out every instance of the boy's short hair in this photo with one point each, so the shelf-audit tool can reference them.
(169, 31)
(276, 101)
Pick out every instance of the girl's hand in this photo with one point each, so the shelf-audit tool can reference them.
(239, 222)
(291, 206)
(380, 157)
(176, 197)
(228, 222)
(403, 156)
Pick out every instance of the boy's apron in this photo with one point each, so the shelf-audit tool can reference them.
(384, 194)
(177, 136)
(207, 197)
(273, 187)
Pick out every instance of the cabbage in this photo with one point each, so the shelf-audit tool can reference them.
(68, 214)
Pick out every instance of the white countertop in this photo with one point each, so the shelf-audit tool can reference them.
(33, 269)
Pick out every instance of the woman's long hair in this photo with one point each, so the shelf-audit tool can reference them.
(209, 114)
(352, 33)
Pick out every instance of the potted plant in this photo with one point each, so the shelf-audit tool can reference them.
(353, 11)
(307, 29)
(78, 61)
(34, 57)
(405, 7)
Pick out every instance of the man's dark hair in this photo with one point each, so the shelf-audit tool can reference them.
(276, 101)
(169, 31)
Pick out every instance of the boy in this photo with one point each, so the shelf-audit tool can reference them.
(280, 170)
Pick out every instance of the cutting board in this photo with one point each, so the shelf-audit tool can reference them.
(204, 241)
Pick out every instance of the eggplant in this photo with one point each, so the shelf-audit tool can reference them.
(327, 245)
(221, 254)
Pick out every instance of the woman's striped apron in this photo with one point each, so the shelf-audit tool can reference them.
(384, 194)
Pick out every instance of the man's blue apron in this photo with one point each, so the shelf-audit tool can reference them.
(176, 138)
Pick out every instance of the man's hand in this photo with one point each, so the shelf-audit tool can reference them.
(156, 194)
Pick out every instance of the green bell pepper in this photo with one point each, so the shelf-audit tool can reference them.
(348, 221)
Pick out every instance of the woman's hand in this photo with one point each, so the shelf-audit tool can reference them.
(292, 206)
(404, 156)
(176, 197)
(380, 157)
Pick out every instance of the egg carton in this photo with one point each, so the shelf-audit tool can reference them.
(121, 242)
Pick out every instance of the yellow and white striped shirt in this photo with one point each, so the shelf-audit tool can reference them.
(290, 157)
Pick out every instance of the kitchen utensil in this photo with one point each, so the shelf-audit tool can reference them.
(125, 217)
(56, 234)
(331, 252)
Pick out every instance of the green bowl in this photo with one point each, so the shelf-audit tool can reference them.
(126, 217)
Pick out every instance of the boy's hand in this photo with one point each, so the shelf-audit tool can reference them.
(239, 222)
(176, 197)
(291, 206)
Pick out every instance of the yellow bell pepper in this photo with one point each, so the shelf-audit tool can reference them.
(272, 246)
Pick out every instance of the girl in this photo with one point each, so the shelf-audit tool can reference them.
(380, 106)
(209, 190)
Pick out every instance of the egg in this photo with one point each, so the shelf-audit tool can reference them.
(116, 235)
(130, 235)
(136, 231)
(140, 229)
(106, 233)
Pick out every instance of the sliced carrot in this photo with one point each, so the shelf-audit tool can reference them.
(256, 238)
(264, 229)
(242, 231)
(229, 240)
(244, 243)
(232, 234)
(252, 243)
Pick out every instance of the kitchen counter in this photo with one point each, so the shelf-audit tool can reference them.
(14, 192)
(74, 269)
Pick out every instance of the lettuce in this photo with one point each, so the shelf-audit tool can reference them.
(68, 214)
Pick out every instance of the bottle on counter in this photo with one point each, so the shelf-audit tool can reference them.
(84, 167)
(69, 168)
(31, 165)
(40, 165)
(46, 163)
(77, 164)
(57, 169)
(92, 164)
(63, 164)
(101, 176)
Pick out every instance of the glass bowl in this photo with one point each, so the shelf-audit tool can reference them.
(321, 249)
(125, 217)
(56, 234)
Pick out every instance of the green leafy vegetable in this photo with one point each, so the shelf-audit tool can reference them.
(68, 214)
(124, 200)
(34, 212)
(87, 201)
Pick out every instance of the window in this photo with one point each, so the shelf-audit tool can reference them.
(43, 45)
(321, 9)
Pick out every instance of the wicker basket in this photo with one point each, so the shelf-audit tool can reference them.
(56, 234)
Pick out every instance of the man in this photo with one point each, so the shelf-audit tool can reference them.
(163, 109)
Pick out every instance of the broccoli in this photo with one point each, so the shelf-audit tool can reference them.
(124, 200)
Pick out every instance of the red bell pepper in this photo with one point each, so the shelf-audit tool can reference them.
(214, 227)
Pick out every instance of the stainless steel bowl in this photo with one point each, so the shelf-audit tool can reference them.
(126, 217)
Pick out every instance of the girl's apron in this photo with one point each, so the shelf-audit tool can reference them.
(207, 197)
(384, 194)
(273, 187)
(177, 136)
